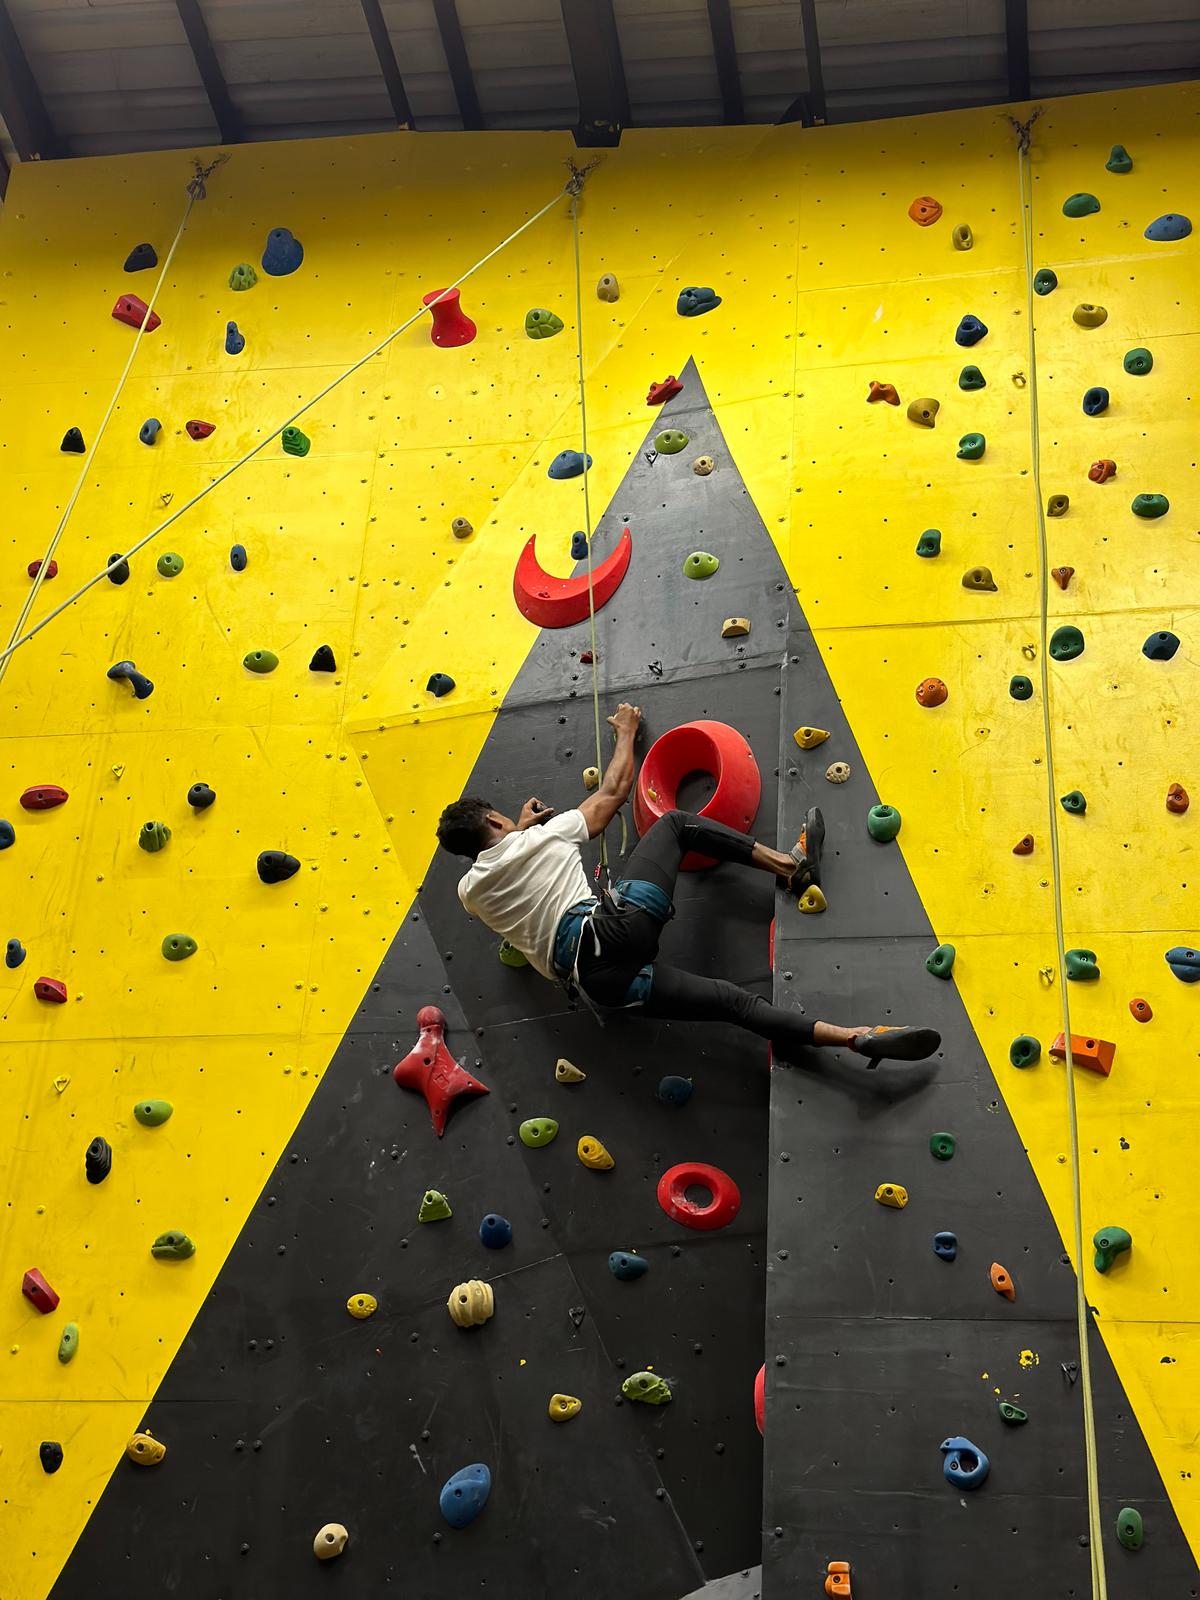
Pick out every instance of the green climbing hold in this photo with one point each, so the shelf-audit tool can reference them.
(294, 442)
(172, 1246)
(942, 1145)
(1082, 966)
(1025, 1051)
(883, 823)
(537, 1132)
(1138, 362)
(1075, 802)
(68, 1343)
(1066, 643)
(510, 956)
(434, 1207)
(930, 542)
(1120, 160)
(1150, 505)
(542, 324)
(1045, 280)
(1109, 1243)
(971, 378)
(1020, 687)
(700, 564)
(647, 1387)
(260, 661)
(243, 276)
(670, 441)
(941, 961)
(154, 836)
(179, 946)
(971, 446)
(1010, 1413)
(170, 564)
(1058, 505)
(153, 1113)
(1129, 1528)
(1080, 205)
(979, 579)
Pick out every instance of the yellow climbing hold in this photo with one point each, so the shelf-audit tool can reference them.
(810, 738)
(471, 1303)
(735, 627)
(812, 900)
(61, 1083)
(566, 1072)
(591, 777)
(145, 1450)
(362, 1306)
(563, 1407)
(593, 1154)
(892, 1194)
(1029, 1358)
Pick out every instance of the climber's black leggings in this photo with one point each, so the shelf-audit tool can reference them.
(629, 939)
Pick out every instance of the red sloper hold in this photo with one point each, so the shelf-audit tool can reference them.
(35, 1289)
(132, 311)
(35, 567)
(44, 797)
(558, 602)
(760, 1399)
(199, 430)
(664, 391)
(451, 325)
(431, 1070)
(52, 990)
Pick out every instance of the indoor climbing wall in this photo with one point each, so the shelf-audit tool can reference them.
(292, 1161)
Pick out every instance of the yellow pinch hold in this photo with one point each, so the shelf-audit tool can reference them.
(471, 1303)
(145, 1449)
(593, 1154)
(810, 738)
(892, 1194)
(812, 900)
(567, 1072)
(362, 1306)
(563, 1407)
(735, 627)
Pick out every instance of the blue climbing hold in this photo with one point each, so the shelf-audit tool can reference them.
(235, 341)
(1184, 962)
(8, 834)
(440, 683)
(964, 1464)
(567, 464)
(495, 1232)
(579, 547)
(14, 953)
(945, 1245)
(1166, 229)
(237, 558)
(148, 432)
(674, 1091)
(283, 254)
(930, 543)
(695, 302)
(465, 1494)
(1095, 401)
(969, 331)
(1161, 646)
(625, 1265)
(138, 682)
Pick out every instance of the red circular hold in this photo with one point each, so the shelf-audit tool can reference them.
(711, 747)
(760, 1399)
(726, 1199)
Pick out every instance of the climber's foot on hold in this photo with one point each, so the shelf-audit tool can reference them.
(807, 854)
(896, 1044)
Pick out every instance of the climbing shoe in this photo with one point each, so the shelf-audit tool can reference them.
(897, 1044)
(807, 854)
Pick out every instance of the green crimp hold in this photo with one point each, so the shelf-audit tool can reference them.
(434, 1207)
(1109, 1243)
(1025, 1051)
(1138, 362)
(1011, 1414)
(538, 1132)
(942, 1146)
(260, 661)
(971, 446)
(971, 378)
(700, 564)
(170, 564)
(941, 961)
(930, 542)
(172, 1246)
(1045, 280)
(647, 1387)
(1080, 205)
(1082, 966)
(1066, 643)
(1020, 687)
(1075, 802)
(243, 276)
(1129, 1528)
(294, 442)
(68, 1343)
(154, 836)
(1150, 505)
(510, 956)
(1120, 160)
(179, 946)
(541, 324)
(670, 441)
(883, 823)
(153, 1113)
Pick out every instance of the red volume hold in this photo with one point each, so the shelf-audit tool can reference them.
(132, 312)
(52, 990)
(35, 1289)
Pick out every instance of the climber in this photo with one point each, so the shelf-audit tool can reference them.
(527, 884)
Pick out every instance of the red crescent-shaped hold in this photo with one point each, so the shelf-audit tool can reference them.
(760, 1399)
(558, 602)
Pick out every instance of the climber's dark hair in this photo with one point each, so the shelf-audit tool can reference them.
(463, 827)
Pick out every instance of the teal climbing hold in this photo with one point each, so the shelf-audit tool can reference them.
(1045, 280)
(538, 1132)
(1184, 962)
(1138, 362)
(940, 962)
(154, 836)
(1109, 1243)
(971, 446)
(942, 1146)
(625, 1265)
(170, 564)
(971, 378)
(883, 823)
(243, 276)
(930, 542)
(179, 946)
(1066, 643)
(1080, 205)
(1150, 505)
(1130, 1532)
(1082, 966)
(1025, 1051)
(1120, 160)
(700, 564)
(153, 1113)
(567, 464)
(542, 324)
(294, 442)
(1074, 802)
(1020, 687)
(670, 441)
(260, 661)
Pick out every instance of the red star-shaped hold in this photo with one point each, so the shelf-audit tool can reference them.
(432, 1070)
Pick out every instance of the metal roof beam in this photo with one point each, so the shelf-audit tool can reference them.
(812, 60)
(21, 104)
(720, 23)
(225, 114)
(388, 65)
(595, 48)
(455, 49)
(1016, 32)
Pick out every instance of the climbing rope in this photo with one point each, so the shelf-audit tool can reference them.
(15, 643)
(196, 190)
(1096, 1541)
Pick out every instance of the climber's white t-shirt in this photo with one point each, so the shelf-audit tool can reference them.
(521, 885)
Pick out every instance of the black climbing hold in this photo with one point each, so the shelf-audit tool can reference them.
(237, 558)
(440, 683)
(141, 257)
(118, 568)
(1161, 646)
(138, 682)
(1095, 401)
(1045, 281)
(14, 953)
(73, 443)
(8, 834)
(969, 331)
(276, 866)
(149, 431)
(1020, 687)
(579, 547)
(97, 1160)
(200, 796)
(674, 1091)
(50, 1454)
(322, 660)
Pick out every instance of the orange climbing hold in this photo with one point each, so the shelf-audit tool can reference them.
(885, 392)
(1097, 1055)
(1001, 1281)
(932, 692)
(1024, 847)
(838, 1580)
(925, 210)
(1140, 1010)
(1062, 575)
(132, 312)
(1101, 471)
(1177, 799)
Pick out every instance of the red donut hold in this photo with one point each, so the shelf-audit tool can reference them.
(726, 1199)
(711, 747)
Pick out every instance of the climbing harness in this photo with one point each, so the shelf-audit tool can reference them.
(199, 182)
(196, 190)
(1095, 1532)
